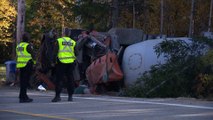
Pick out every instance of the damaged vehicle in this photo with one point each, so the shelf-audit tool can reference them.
(109, 61)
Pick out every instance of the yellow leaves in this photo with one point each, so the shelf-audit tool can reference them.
(7, 18)
(49, 14)
(6, 10)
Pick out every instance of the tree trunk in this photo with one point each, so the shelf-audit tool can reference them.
(20, 20)
(210, 16)
(161, 20)
(114, 13)
(191, 24)
(133, 14)
(145, 16)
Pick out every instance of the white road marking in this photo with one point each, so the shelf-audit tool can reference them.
(145, 102)
(196, 115)
(135, 101)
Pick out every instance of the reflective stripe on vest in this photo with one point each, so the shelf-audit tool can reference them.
(66, 52)
(22, 55)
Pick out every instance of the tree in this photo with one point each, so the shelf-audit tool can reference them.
(191, 25)
(43, 15)
(202, 15)
(176, 17)
(115, 13)
(92, 14)
(7, 18)
(161, 19)
(7, 29)
(210, 16)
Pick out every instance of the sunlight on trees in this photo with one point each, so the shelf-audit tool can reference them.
(7, 19)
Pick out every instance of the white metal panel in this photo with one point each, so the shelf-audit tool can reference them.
(139, 57)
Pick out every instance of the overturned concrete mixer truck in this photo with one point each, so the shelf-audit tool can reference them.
(126, 55)
(138, 52)
(109, 61)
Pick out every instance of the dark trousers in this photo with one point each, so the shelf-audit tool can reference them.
(25, 74)
(64, 73)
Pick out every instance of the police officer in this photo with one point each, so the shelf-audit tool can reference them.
(25, 58)
(65, 49)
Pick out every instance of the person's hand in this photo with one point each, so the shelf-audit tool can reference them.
(52, 65)
(17, 71)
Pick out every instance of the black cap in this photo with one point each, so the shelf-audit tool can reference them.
(26, 37)
(67, 32)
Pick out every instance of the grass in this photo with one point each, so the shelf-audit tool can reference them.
(2, 74)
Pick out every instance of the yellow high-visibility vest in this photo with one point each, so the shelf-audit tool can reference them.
(66, 53)
(22, 55)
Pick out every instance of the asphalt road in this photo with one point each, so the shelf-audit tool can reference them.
(93, 107)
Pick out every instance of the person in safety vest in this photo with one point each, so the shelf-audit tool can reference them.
(25, 58)
(65, 56)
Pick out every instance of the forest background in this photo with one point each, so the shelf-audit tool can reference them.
(102, 15)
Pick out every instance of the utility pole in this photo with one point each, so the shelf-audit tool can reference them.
(20, 23)
(191, 24)
(161, 20)
(210, 16)
(20, 20)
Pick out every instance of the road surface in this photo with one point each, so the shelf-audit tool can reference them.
(100, 107)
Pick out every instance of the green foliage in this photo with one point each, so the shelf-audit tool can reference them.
(204, 81)
(92, 15)
(178, 77)
(134, 91)
(43, 15)
(5, 52)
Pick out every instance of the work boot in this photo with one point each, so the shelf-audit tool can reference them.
(70, 98)
(25, 100)
(56, 99)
